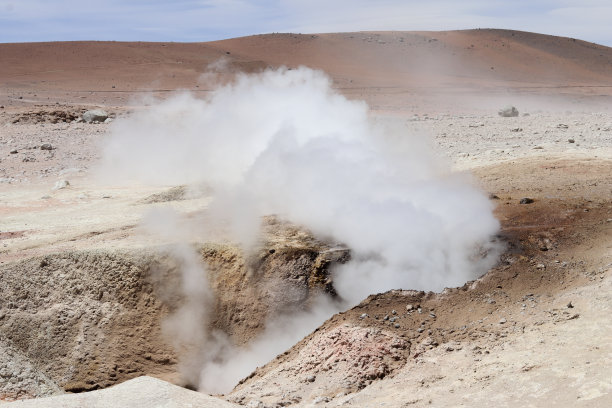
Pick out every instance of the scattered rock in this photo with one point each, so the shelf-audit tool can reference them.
(538, 148)
(570, 305)
(95, 115)
(14, 151)
(562, 126)
(571, 140)
(177, 193)
(502, 320)
(46, 146)
(47, 116)
(540, 266)
(518, 129)
(363, 316)
(320, 400)
(429, 341)
(526, 200)
(409, 307)
(312, 378)
(508, 112)
(108, 120)
(61, 184)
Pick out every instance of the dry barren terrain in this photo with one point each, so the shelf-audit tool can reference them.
(85, 290)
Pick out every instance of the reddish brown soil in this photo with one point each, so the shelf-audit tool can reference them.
(385, 68)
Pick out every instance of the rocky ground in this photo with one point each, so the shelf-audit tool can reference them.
(534, 329)
(83, 320)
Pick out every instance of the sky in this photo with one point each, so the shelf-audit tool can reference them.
(207, 20)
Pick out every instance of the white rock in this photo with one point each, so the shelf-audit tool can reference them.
(508, 112)
(61, 184)
(97, 115)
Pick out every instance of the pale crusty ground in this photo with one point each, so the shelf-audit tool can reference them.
(34, 216)
(141, 392)
(540, 354)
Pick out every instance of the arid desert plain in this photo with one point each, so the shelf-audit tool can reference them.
(351, 219)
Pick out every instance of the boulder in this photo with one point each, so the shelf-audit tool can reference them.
(95, 115)
(508, 112)
(61, 184)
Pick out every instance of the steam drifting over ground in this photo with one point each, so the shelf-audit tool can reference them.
(283, 142)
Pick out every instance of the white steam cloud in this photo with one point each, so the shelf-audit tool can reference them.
(283, 142)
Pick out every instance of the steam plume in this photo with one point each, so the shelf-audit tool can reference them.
(283, 142)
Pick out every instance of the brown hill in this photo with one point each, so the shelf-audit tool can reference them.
(363, 64)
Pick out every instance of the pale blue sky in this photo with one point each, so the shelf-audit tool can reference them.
(205, 20)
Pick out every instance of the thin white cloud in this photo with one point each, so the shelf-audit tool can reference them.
(587, 20)
(202, 20)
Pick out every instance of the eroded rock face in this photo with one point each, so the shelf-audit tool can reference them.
(340, 360)
(87, 320)
(84, 320)
(20, 379)
(251, 290)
